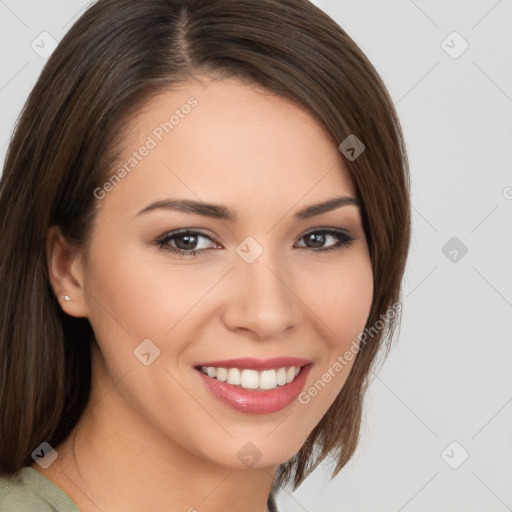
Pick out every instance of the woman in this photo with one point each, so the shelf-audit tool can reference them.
(205, 223)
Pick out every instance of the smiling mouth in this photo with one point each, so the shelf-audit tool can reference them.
(254, 385)
(253, 379)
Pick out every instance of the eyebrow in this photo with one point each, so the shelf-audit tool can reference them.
(217, 211)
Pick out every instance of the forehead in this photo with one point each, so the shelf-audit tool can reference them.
(231, 143)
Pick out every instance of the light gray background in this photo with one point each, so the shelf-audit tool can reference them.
(448, 377)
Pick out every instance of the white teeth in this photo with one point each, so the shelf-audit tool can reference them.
(234, 376)
(253, 379)
(222, 374)
(281, 376)
(249, 379)
(268, 379)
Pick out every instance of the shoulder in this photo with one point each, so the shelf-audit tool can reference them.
(30, 491)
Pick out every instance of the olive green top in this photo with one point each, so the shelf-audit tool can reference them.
(30, 491)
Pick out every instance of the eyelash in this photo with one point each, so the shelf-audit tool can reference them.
(344, 240)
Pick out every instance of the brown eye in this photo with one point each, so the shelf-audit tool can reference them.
(185, 242)
(316, 240)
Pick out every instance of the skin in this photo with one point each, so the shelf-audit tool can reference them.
(153, 437)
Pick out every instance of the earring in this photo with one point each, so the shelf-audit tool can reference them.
(66, 297)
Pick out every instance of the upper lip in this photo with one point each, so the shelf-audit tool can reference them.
(257, 364)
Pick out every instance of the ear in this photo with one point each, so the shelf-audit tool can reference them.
(65, 273)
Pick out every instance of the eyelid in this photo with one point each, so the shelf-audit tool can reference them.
(197, 231)
(327, 229)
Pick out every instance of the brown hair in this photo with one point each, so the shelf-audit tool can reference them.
(115, 57)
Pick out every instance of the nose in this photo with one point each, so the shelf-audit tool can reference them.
(262, 300)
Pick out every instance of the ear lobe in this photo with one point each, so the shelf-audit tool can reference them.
(65, 273)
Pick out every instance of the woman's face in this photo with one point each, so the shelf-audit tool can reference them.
(258, 287)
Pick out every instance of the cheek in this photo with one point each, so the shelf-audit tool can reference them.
(133, 296)
(344, 301)
(139, 294)
(342, 307)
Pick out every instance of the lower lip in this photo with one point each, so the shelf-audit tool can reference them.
(253, 401)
